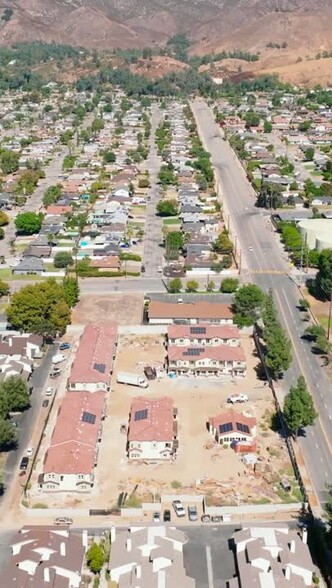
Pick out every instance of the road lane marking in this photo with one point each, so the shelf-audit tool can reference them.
(209, 566)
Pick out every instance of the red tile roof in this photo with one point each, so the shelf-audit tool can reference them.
(233, 417)
(211, 331)
(57, 209)
(218, 353)
(73, 442)
(185, 310)
(158, 424)
(96, 348)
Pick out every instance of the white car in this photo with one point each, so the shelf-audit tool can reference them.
(49, 391)
(29, 451)
(179, 508)
(251, 249)
(237, 398)
(156, 517)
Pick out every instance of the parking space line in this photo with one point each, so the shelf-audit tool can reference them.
(209, 566)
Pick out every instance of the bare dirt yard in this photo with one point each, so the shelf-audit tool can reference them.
(201, 465)
(122, 309)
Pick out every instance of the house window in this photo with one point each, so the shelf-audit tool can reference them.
(80, 476)
(61, 478)
(154, 445)
(134, 455)
(168, 445)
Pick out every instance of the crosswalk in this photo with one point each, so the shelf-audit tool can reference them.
(267, 271)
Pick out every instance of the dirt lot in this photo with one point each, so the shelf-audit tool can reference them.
(124, 310)
(201, 467)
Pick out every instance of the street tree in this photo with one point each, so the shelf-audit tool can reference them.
(174, 241)
(249, 302)
(71, 290)
(229, 285)
(28, 223)
(9, 161)
(16, 393)
(40, 308)
(52, 195)
(109, 157)
(278, 351)
(4, 288)
(210, 286)
(63, 259)
(192, 286)
(309, 153)
(267, 127)
(223, 244)
(299, 410)
(252, 119)
(8, 436)
(4, 220)
(175, 285)
(143, 183)
(167, 207)
(95, 558)
(323, 279)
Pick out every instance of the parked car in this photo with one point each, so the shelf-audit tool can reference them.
(192, 513)
(45, 403)
(58, 358)
(205, 518)
(63, 521)
(179, 508)
(24, 463)
(55, 373)
(64, 346)
(216, 519)
(237, 398)
(49, 391)
(29, 451)
(156, 517)
(167, 516)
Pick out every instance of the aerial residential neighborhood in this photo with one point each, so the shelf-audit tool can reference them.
(166, 304)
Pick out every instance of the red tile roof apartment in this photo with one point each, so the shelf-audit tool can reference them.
(199, 360)
(203, 334)
(232, 426)
(71, 458)
(167, 313)
(93, 364)
(152, 431)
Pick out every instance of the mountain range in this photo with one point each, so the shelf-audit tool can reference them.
(284, 32)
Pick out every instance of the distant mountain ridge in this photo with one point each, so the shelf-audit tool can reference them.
(305, 26)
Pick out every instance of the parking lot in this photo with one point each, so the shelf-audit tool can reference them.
(207, 556)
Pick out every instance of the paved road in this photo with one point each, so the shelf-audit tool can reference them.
(153, 253)
(254, 230)
(26, 421)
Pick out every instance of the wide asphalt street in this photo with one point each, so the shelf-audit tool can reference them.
(262, 259)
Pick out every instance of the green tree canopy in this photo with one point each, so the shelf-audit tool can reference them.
(52, 194)
(28, 223)
(309, 153)
(71, 290)
(63, 259)
(192, 286)
(175, 285)
(323, 280)
(223, 244)
(4, 288)
(40, 308)
(8, 437)
(229, 285)
(109, 157)
(14, 395)
(299, 410)
(9, 161)
(249, 302)
(95, 558)
(167, 207)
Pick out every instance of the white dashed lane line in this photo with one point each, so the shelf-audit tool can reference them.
(209, 566)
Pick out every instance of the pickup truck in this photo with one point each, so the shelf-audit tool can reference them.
(234, 398)
(179, 508)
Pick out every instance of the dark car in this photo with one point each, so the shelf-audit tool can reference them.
(24, 463)
(64, 346)
(167, 516)
(45, 403)
(55, 374)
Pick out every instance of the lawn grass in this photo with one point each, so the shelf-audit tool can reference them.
(171, 221)
(5, 273)
(137, 209)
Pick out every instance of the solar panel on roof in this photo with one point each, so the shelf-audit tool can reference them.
(197, 330)
(140, 415)
(226, 427)
(194, 351)
(242, 428)
(88, 417)
(100, 367)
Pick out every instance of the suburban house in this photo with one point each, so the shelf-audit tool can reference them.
(72, 456)
(93, 364)
(18, 346)
(167, 313)
(29, 265)
(107, 263)
(229, 427)
(203, 335)
(152, 429)
(273, 557)
(45, 557)
(148, 557)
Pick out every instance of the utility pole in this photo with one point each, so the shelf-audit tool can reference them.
(330, 316)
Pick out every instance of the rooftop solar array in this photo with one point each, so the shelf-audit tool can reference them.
(140, 415)
(197, 330)
(225, 428)
(242, 428)
(194, 351)
(88, 417)
(100, 367)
